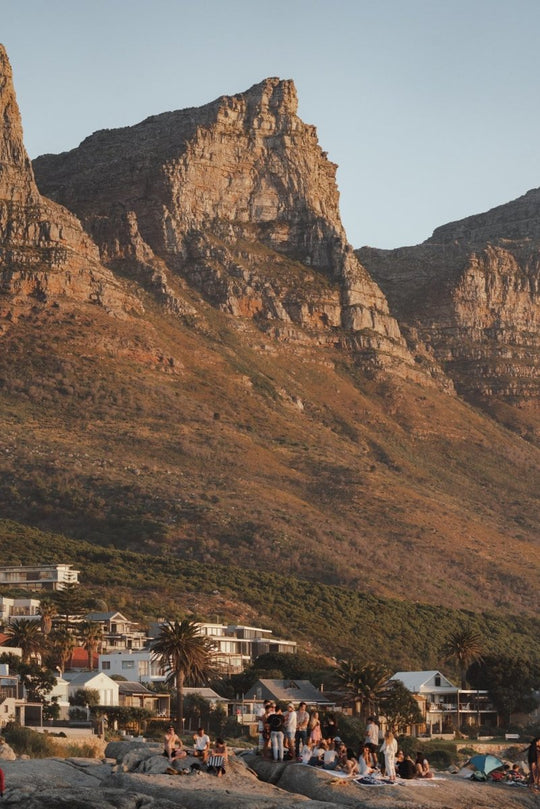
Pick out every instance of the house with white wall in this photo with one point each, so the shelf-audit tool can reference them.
(93, 681)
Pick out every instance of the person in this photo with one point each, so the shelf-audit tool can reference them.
(389, 748)
(422, 766)
(329, 727)
(289, 729)
(275, 720)
(346, 761)
(317, 754)
(201, 745)
(315, 733)
(171, 742)
(533, 758)
(302, 721)
(306, 753)
(261, 716)
(330, 757)
(371, 739)
(2, 783)
(516, 773)
(269, 710)
(218, 758)
(365, 760)
(405, 766)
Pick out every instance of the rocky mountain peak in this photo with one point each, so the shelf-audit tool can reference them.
(44, 252)
(16, 175)
(237, 199)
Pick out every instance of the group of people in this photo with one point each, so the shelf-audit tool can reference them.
(297, 735)
(284, 734)
(214, 757)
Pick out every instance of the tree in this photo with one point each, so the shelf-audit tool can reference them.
(47, 611)
(27, 636)
(91, 635)
(510, 682)
(61, 645)
(463, 647)
(399, 707)
(70, 603)
(185, 654)
(365, 683)
(37, 681)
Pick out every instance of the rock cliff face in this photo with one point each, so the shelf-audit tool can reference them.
(471, 292)
(44, 251)
(237, 200)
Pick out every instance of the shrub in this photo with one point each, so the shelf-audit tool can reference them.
(25, 741)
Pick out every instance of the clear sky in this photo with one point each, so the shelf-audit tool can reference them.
(430, 108)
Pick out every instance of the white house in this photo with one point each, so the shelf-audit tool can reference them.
(140, 666)
(39, 577)
(15, 609)
(94, 681)
(443, 705)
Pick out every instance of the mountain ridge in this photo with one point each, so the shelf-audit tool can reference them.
(241, 389)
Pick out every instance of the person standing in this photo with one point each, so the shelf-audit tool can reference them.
(389, 748)
(2, 783)
(315, 733)
(371, 740)
(302, 721)
(275, 721)
(289, 725)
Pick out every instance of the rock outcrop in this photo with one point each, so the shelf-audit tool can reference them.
(471, 292)
(44, 252)
(237, 200)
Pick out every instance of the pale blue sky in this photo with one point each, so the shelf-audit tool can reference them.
(429, 107)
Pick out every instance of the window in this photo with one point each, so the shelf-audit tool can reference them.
(128, 664)
(105, 664)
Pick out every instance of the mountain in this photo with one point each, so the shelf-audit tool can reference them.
(471, 292)
(240, 391)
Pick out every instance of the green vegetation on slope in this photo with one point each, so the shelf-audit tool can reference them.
(336, 621)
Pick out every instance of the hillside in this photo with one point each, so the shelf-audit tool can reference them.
(199, 368)
(394, 633)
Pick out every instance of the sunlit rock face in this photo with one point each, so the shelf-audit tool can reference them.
(238, 200)
(471, 292)
(45, 254)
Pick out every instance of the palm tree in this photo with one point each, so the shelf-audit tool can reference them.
(61, 643)
(47, 611)
(365, 683)
(463, 647)
(27, 636)
(91, 635)
(185, 654)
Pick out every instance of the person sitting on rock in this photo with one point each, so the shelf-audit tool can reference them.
(405, 766)
(218, 758)
(422, 766)
(172, 741)
(201, 745)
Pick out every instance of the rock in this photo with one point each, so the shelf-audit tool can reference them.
(237, 199)
(45, 253)
(471, 293)
(6, 752)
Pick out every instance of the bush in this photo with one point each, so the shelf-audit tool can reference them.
(25, 741)
(441, 759)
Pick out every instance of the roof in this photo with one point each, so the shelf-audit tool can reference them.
(205, 693)
(129, 687)
(106, 616)
(83, 677)
(414, 681)
(288, 691)
(79, 658)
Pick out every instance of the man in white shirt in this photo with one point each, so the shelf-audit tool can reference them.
(289, 728)
(201, 745)
(302, 721)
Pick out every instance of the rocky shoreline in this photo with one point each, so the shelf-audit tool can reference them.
(137, 776)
